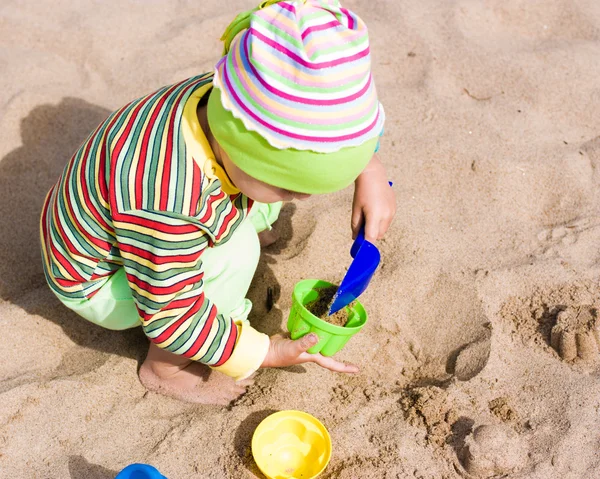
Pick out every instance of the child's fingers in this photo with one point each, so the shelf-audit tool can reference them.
(384, 225)
(333, 365)
(371, 229)
(305, 342)
(356, 221)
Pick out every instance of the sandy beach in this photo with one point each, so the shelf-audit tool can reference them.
(480, 357)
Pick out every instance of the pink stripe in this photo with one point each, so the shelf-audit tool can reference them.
(309, 101)
(287, 6)
(351, 24)
(350, 18)
(317, 120)
(291, 8)
(296, 136)
(315, 82)
(304, 63)
(248, 87)
(317, 28)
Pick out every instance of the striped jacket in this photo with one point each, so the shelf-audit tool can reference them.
(134, 196)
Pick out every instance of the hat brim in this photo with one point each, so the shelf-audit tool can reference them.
(301, 171)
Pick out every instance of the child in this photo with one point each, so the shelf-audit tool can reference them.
(154, 220)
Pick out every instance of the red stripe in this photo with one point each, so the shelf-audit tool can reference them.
(196, 189)
(167, 333)
(119, 146)
(96, 276)
(228, 350)
(201, 339)
(84, 188)
(75, 221)
(66, 264)
(161, 338)
(209, 206)
(181, 303)
(250, 206)
(158, 259)
(225, 222)
(62, 234)
(66, 282)
(166, 178)
(102, 184)
(104, 188)
(155, 224)
(139, 173)
(165, 290)
(175, 304)
(93, 293)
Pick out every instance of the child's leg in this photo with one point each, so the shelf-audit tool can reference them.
(228, 271)
(262, 217)
(178, 377)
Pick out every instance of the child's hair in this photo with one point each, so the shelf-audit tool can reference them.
(294, 103)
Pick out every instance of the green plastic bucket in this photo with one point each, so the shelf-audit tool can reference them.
(301, 321)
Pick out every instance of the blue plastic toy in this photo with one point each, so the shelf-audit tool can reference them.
(366, 259)
(140, 471)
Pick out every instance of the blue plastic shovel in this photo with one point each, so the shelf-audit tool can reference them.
(366, 260)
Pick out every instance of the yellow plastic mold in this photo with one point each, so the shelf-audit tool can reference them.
(291, 445)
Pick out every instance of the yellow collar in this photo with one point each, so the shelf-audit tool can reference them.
(198, 145)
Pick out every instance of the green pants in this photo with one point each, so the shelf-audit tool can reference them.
(228, 272)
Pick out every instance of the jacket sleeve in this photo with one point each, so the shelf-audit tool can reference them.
(161, 253)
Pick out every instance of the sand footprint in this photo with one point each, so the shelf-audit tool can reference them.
(590, 150)
(560, 240)
(451, 332)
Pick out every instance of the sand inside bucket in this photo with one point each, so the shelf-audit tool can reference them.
(320, 307)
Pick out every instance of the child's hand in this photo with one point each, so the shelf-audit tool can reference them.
(374, 202)
(286, 352)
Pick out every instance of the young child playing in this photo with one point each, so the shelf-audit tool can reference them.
(154, 220)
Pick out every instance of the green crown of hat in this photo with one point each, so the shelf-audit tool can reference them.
(294, 95)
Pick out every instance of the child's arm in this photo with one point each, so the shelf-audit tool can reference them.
(161, 255)
(374, 201)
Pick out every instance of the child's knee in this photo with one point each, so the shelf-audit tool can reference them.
(264, 215)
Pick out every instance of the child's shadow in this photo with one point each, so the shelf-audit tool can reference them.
(265, 290)
(50, 135)
(79, 468)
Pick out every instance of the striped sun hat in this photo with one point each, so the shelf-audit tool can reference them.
(300, 77)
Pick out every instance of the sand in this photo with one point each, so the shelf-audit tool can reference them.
(321, 306)
(493, 143)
